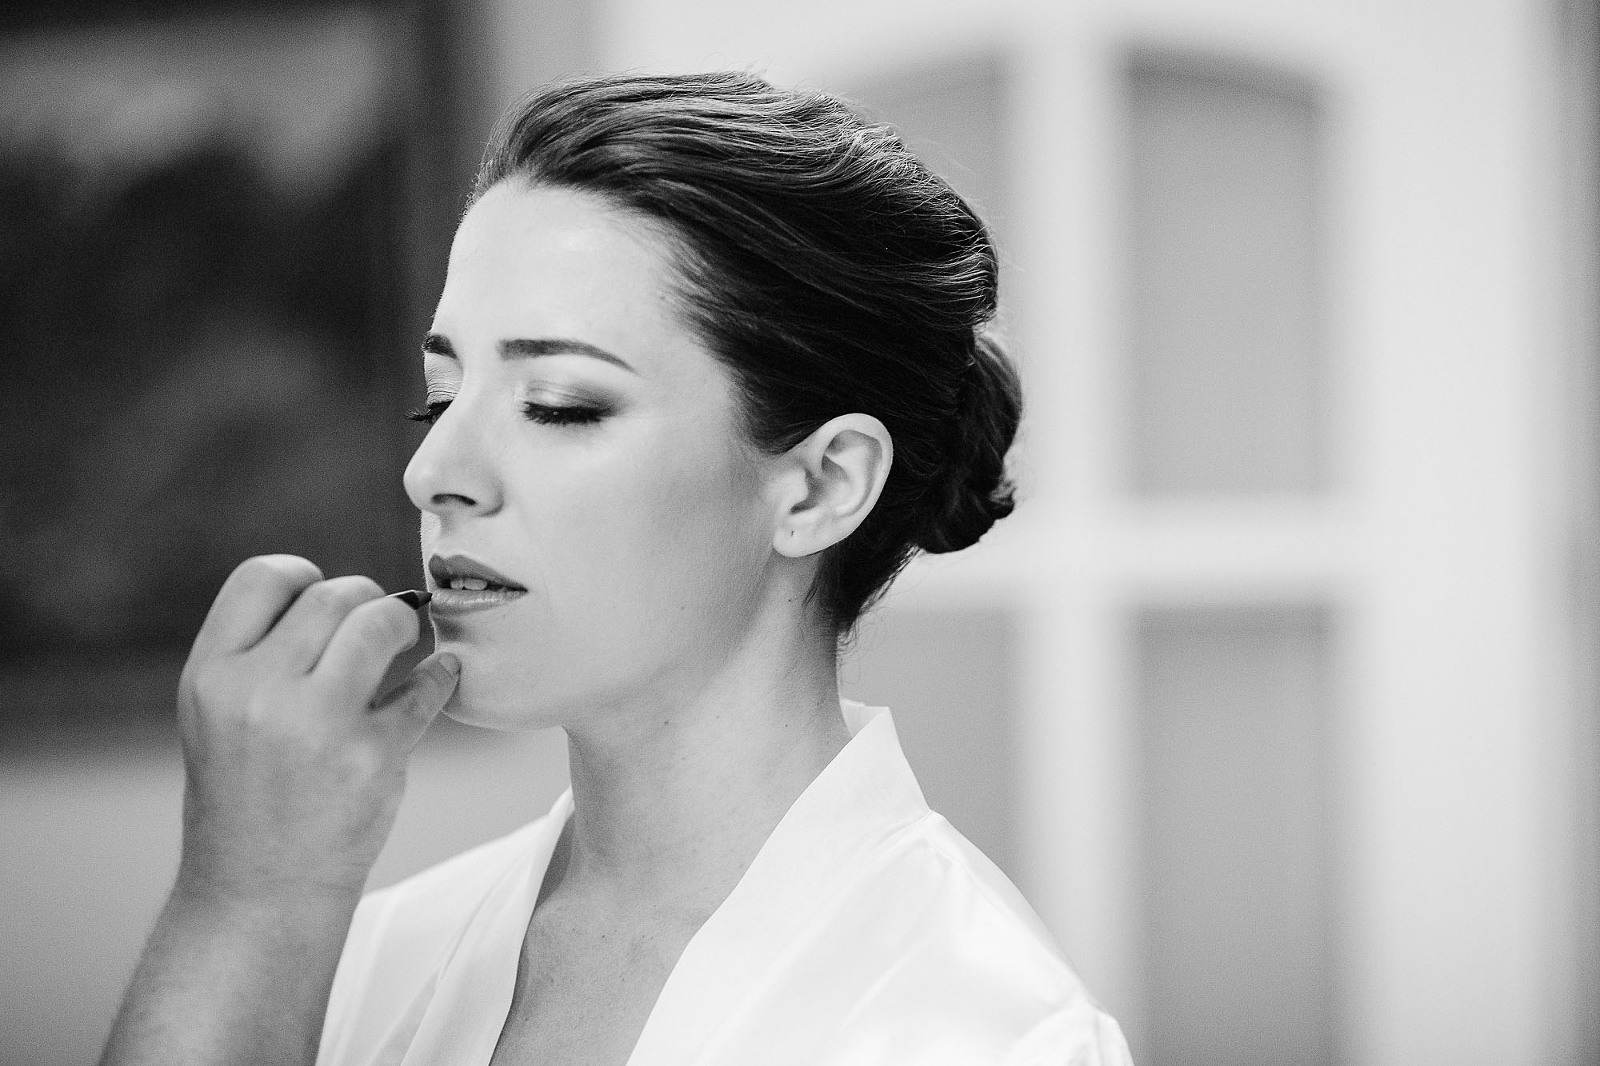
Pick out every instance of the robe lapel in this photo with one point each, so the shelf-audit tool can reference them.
(826, 842)
(472, 992)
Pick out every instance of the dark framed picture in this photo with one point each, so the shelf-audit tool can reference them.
(223, 236)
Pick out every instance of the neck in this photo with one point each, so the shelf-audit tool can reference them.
(673, 798)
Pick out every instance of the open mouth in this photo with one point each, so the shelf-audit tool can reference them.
(457, 573)
(462, 585)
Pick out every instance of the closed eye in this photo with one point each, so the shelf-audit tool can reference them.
(430, 413)
(552, 415)
(545, 414)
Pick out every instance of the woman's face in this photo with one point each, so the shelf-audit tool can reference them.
(584, 487)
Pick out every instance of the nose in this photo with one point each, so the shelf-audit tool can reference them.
(451, 471)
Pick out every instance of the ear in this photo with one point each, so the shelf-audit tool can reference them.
(828, 483)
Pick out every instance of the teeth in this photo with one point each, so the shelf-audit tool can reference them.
(470, 584)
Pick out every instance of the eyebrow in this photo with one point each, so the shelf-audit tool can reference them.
(529, 348)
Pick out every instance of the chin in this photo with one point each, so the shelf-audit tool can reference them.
(488, 698)
(517, 687)
(485, 714)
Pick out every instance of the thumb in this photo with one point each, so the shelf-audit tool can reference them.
(414, 703)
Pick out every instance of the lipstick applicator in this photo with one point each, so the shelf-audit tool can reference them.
(415, 599)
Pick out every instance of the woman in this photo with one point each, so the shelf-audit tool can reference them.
(708, 368)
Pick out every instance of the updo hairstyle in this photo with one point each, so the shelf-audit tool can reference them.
(825, 266)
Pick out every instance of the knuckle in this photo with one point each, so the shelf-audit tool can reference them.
(211, 684)
(277, 571)
(343, 594)
(266, 713)
(322, 596)
(362, 588)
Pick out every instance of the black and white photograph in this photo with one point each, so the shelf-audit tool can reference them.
(821, 533)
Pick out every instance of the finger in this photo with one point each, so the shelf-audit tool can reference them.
(253, 598)
(359, 653)
(302, 635)
(412, 705)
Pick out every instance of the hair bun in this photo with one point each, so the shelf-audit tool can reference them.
(977, 493)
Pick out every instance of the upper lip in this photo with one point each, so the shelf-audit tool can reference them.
(444, 567)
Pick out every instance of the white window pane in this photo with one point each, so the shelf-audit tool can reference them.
(1233, 714)
(1225, 384)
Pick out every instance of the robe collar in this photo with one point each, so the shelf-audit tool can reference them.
(830, 837)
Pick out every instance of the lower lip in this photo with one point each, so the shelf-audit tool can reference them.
(467, 601)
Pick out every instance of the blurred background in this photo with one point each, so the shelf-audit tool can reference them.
(1277, 696)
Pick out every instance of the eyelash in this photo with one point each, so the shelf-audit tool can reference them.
(544, 414)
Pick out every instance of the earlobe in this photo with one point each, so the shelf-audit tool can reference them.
(834, 477)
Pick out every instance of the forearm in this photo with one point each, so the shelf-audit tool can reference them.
(232, 982)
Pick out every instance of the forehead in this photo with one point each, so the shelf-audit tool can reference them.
(546, 262)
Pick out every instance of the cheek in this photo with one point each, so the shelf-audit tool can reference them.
(648, 561)
(671, 539)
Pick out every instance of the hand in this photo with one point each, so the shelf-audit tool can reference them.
(295, 768)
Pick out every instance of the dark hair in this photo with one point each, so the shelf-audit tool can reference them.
(825, 266)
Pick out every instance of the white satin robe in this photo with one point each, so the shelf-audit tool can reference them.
(866, 931)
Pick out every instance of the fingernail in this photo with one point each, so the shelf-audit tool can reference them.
(451, 665)
(415, 599)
